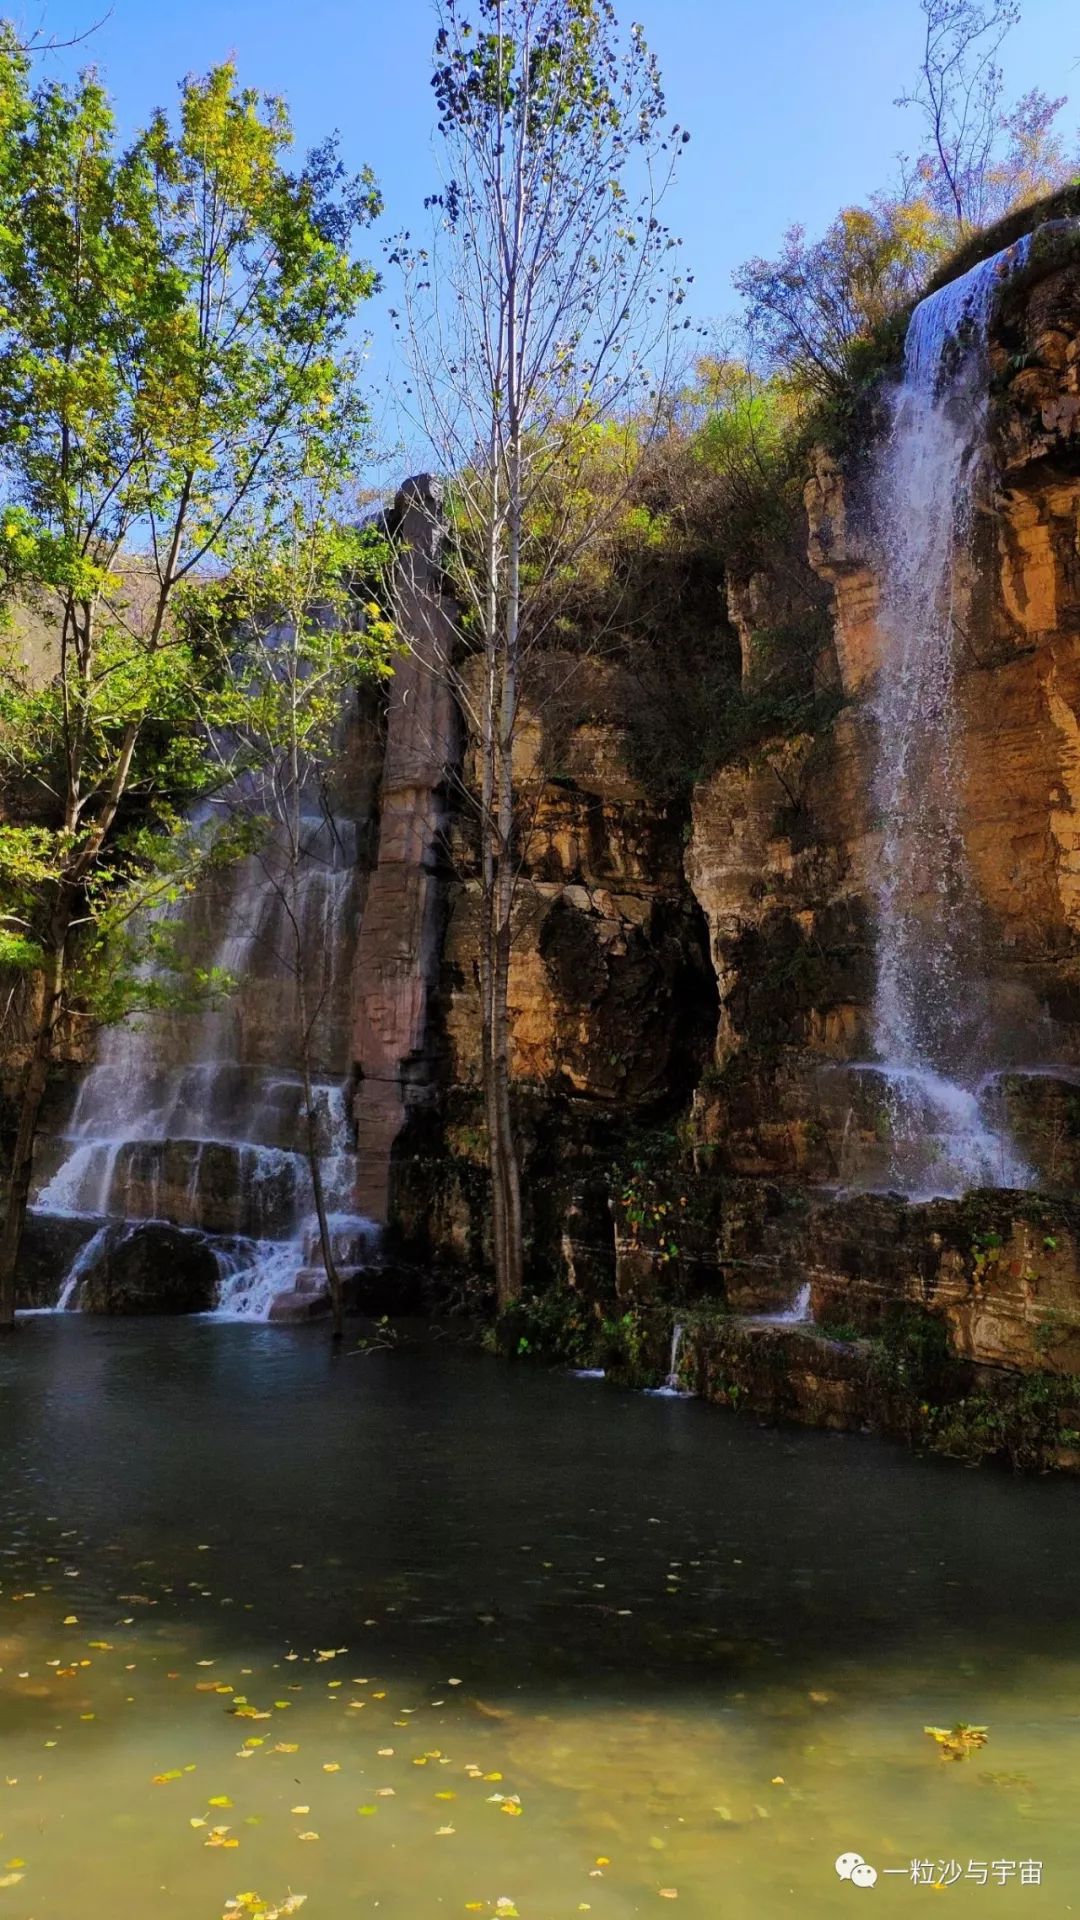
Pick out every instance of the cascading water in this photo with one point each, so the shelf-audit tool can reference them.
(198, 1120)
(931, 1021)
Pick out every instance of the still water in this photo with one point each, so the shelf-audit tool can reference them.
(412, 1634)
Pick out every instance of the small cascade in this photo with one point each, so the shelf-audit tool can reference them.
(799, 1313)
(671, 1388)
(86, 1257)
(932, 1025)
(198, 1120)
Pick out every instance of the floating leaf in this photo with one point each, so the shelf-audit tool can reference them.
(957, 1742)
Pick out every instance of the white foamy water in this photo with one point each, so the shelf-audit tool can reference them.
(931, 1023)
(199, 1120)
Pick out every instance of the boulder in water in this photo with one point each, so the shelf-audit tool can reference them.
(153, 1268)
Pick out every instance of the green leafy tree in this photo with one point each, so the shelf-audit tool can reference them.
(173, 340)
(541, 312)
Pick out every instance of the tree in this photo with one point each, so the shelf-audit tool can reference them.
(173, 322)
(981, 158)
(294, 636)
(541, 311)
(808, 309)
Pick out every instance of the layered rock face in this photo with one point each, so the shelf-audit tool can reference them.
(611, 996)
(782, 858)
(719, 962)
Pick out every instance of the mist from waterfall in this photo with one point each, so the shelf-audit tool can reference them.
(931, 1020)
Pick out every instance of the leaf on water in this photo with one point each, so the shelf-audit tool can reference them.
(196, 1823)
(367, 1809)
(385, 1793)
(307, 1836)
(71, 1620)
(219, 1800)
(162, 1779)
(331, 1766)
(10, 1879)
(441, 1830)
(669, 1893)
(957, 1742)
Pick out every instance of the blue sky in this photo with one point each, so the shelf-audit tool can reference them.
(789, 102)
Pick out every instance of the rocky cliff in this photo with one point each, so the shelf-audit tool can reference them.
(691, 981)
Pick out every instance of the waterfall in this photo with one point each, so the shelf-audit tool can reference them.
(198, 1119)
(671, 1389)
(931, 1024)
(799, 1313)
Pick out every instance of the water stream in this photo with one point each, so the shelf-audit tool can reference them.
(932, 1025)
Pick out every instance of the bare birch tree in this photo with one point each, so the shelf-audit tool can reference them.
(542, 312)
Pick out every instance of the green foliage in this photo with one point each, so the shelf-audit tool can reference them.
(173, 369)
(555, 1326)
(1024, 1419)
(629, 1348)
(910, 1354)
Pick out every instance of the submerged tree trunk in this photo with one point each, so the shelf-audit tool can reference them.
(22, 1163)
